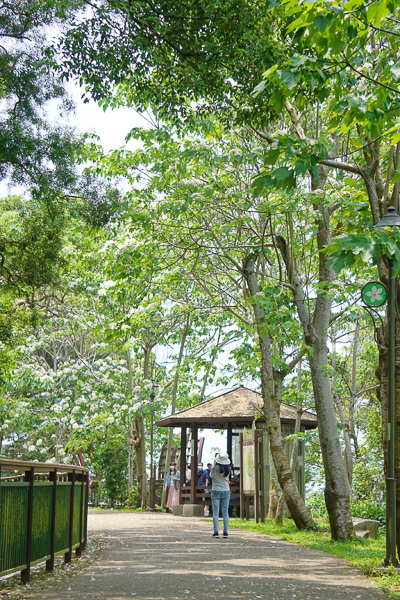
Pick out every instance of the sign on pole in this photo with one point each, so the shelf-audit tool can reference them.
(374, 294)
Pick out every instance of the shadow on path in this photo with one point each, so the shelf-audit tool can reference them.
(156, 556)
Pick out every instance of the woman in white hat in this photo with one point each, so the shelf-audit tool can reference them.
(220, 491)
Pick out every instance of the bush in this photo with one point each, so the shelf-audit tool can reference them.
(133, 500)
(369, 510)
(359, 508)
(316, 503)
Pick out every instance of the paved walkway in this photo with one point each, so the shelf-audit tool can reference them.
(157, 556)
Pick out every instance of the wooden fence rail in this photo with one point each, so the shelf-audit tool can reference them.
(43, 513)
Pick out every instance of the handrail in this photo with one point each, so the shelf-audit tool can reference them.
(43, 513)
(20, 465)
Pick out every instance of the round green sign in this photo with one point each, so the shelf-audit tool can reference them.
(374, 294)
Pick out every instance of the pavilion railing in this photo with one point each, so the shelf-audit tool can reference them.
(43, 513)
(203, 495)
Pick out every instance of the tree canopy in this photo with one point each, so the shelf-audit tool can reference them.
(244, 228)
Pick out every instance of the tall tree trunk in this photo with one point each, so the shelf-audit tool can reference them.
(273, 494)
(173, 406)
(205, 379)
(353, 398)
(295, 446)
(138, 440)
(337, 492)
(299, 414)
(348, 455)
(298, 510)
(131, 447)
(139, 444)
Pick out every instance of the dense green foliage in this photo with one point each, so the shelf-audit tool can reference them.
(264, 121)
(167, 56)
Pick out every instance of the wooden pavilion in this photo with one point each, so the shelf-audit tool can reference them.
(233, 411)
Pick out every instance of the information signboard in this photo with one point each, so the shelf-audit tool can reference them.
(248, 467)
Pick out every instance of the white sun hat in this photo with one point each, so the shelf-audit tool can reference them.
(222, 458)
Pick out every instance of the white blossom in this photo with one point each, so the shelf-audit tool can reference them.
(106, 285)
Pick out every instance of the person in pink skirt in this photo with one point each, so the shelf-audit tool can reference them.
(172, 486)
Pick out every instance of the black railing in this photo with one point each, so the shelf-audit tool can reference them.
(43, 513)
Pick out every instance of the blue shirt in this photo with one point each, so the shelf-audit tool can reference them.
(204, 475)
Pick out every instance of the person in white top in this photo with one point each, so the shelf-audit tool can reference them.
(188, 474)
(220, 491)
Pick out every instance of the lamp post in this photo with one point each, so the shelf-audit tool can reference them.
(152, 478)
(391, 219)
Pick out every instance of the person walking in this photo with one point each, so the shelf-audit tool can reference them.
(172, 486)
(220, 491)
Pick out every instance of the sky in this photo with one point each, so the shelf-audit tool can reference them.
(112, 125)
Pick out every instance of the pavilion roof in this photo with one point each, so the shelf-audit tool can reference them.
(238, 407)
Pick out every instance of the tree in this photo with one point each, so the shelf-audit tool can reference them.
(33, 152)
(163, 57)
(217, 235)
(37, 154)
(342, 78)
(135, 84)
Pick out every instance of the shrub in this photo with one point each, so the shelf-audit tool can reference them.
(133, 500)
(369, 510)
(359, 508)
(316, 503)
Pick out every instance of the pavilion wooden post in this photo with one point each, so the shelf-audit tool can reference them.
(229, 440)
(241, 476)
(259, 488)
(193, 464)
(256, 479)
(183, 464)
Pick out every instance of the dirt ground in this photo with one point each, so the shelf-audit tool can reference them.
(156, 556)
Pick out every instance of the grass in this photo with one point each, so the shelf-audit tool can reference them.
(366, 555)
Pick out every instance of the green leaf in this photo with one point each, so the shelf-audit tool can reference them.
(301, 167)
(376, 12)
(395, 70)
(290, 78)
(277, 100)
(272, 156)
(322, 21)
(283, 173)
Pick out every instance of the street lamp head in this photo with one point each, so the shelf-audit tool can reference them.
(391, 219)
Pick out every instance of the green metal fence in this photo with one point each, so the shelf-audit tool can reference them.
(43, 513)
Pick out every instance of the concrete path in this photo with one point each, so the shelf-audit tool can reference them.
(157, 556)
